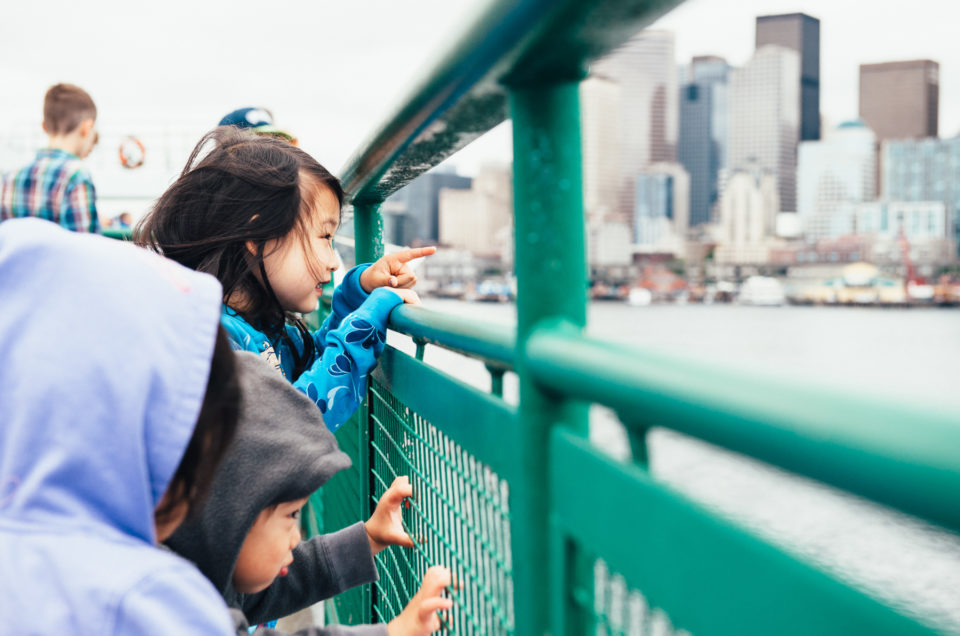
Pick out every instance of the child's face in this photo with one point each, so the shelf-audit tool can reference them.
(292, 263)
(267, 551)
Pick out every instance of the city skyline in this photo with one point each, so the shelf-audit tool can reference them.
(849, 36)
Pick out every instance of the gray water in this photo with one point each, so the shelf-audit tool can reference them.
(910, 355)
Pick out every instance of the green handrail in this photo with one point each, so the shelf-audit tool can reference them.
(858, 443)
(122, 234)
(490, 343)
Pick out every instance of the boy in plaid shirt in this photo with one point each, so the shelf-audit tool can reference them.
(55, 185)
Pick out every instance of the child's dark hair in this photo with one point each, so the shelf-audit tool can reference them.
(212, 435)
(247, 190)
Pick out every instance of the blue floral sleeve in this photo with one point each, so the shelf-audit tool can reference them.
(349, 344)
(348, 296)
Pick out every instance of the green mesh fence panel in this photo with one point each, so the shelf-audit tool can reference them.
(343, 506)
(459, 517)
(615, 609)
(662, 563)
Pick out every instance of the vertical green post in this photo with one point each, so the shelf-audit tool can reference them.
(368, 246)
(550, 263)
(367, 231)
(496, 379)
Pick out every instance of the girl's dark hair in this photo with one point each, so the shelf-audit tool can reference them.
(216, 426)
(247, 190)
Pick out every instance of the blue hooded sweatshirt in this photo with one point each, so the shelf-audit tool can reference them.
(104, 357)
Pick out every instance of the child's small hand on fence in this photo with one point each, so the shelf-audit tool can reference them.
(419, 617)
(385, 526)
(393, 271)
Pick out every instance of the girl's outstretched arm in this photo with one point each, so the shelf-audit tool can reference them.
(337, 379)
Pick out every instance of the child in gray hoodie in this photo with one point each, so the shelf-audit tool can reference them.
(246, 539)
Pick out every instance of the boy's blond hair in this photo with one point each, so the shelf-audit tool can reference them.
(65, 107)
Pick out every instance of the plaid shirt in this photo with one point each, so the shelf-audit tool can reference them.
(55, 186)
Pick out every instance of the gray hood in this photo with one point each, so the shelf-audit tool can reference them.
(282, 452)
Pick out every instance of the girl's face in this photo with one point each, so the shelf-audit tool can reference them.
(298, 267)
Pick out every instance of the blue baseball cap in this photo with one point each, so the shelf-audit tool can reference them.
(258, 120)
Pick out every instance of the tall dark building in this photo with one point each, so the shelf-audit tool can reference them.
(900, 100)
(702, 136)
(800, 32)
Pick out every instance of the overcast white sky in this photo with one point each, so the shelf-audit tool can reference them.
(330, 70)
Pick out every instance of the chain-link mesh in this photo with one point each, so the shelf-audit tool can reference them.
(459, 517)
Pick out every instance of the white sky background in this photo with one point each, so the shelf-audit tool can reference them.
(332, 70)
(329, 70)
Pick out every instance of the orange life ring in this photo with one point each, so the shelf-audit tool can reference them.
(132, 152)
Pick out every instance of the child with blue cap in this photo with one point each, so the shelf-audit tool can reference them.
(257, 120)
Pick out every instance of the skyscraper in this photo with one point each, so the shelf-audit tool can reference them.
(600, 129)
(645, 69)
(839, 169)
(764, 116)
(900, 100)
(801, 33)
(475, 219)
(701, 145)
(925, 170)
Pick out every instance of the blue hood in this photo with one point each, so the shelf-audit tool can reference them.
(105, 350)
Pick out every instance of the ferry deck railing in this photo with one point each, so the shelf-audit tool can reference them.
(543, 532)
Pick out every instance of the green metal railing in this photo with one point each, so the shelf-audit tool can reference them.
(544, 533)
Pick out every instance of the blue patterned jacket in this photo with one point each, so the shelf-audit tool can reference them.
(348, 345)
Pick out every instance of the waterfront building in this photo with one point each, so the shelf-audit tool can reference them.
(801, 33)
(600, 129)
(418, 207)
(662, 207)
(701, 144)
(645, 70)
(839, 169)
(882, 226)
(924, 170)
(608, 244)
(901, 100)
(474, 219)
(764, 118)
(871, 231)
(748, 213)
(917, 221)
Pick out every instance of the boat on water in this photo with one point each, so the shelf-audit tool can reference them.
(762, 291)
(639, 297)
(455, 290)
(602, 291)
(858, 284)
(492, 291)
